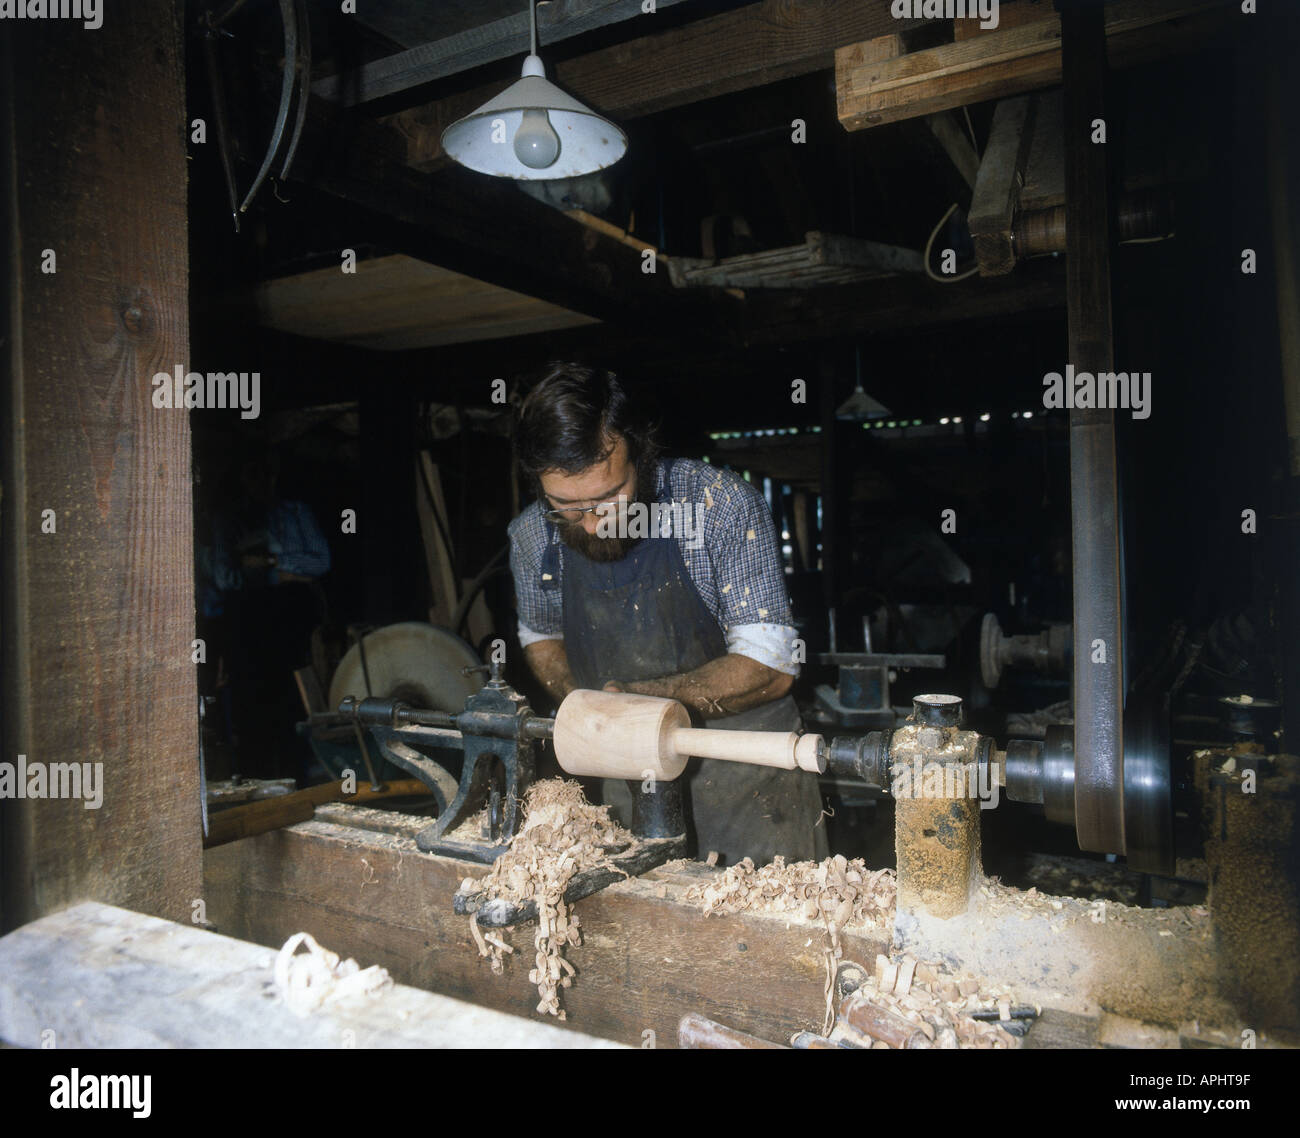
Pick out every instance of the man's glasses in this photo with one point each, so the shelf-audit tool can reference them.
(571, 514)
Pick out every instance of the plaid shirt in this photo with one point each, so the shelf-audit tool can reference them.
(728, 544)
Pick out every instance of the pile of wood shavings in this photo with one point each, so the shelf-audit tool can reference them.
(562, 834)
(837, 892)
(940, 1003)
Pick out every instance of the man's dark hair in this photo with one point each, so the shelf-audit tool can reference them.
(574, 417)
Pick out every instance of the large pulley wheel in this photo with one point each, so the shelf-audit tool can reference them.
(1148, 786)
(1148, 783)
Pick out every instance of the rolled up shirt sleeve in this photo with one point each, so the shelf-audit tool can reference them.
(770, 644)
(752, 604)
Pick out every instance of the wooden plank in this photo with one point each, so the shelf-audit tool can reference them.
(997, 189)
(871, 90)
(733, 51)
(1058, 1029)
(648, 956)
(268, 814)
(99, 976)
(951, 134)
(310, 690)
(434, 524)
(395, 303)
(1010, 15)
(98, 616)
(774, 317)
(601, 225)
(823, 259)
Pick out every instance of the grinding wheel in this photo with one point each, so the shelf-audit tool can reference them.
(415, 662)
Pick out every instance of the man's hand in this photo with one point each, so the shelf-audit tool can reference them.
(725, 686)
(551, 666)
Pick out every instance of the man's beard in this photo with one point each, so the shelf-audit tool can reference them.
(603, 550)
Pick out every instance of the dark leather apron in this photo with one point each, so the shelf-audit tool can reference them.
(641, 618)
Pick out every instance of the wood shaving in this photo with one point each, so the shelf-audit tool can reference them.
(562, 834)
(835, 892)
(939, 1003)
(838, 893)
(318, 977)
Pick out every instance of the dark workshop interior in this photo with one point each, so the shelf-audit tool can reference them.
(858, 262)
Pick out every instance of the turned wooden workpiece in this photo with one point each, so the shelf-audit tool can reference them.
(620, 735)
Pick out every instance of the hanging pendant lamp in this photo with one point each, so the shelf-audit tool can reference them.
(534, 131)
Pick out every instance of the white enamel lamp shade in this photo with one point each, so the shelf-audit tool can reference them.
(484, 140)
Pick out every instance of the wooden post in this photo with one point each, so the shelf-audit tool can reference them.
(997, 188)
(97, 563)
(1283, 174)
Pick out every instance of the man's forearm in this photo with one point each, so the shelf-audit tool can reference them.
(551, 666)
(725, 686)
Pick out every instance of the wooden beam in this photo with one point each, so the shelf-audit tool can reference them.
(396, 302)
(266, 814)
(1044, 184)
(96, 976)
(97, 545)
(648, 956)
(956, 142)
(497, 39)
(872, 88)
(997, 189)
(734, 51)
(793, 316)
(1010, 15)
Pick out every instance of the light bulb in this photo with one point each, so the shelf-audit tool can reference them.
(536, 143)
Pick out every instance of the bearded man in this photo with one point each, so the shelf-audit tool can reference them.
(661, 577)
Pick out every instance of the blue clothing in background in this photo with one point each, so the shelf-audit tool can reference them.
(290, 534)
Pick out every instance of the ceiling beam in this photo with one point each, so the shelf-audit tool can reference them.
(497, 39)
(890, 304)
(765, 320)
(755, 45)
(879, 82)
(956, 143)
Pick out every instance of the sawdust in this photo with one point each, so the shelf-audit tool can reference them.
(837, 892)
(472, 829)
(1078, 877)
(562, 834)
